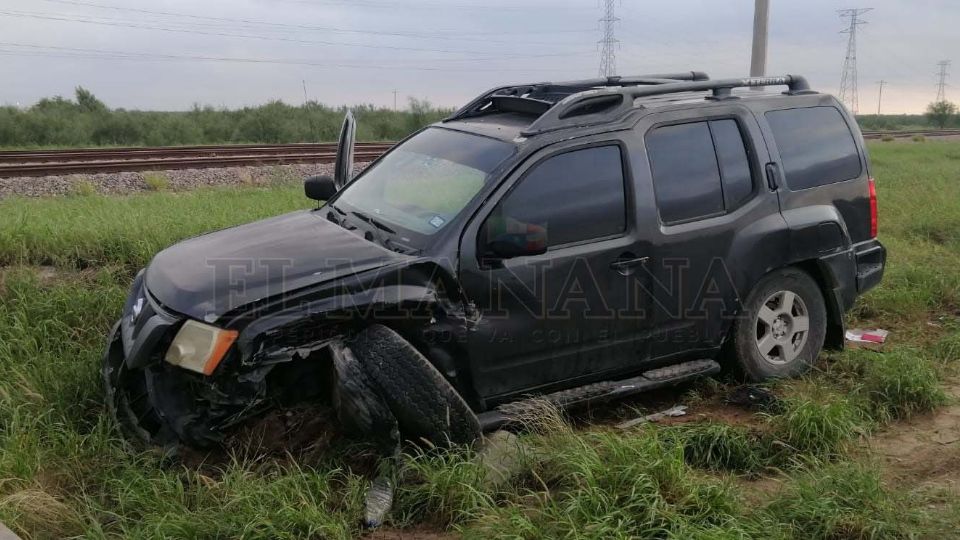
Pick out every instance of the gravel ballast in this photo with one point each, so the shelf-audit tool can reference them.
(122, 183)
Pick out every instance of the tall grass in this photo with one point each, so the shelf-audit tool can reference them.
(88, 231)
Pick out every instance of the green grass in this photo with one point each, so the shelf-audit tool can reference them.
(127, 231)
(844, 501)
(65, 265)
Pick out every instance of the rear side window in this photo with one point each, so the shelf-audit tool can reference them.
(734, 164)
(816, 146)
(574, 196)
(699, 169)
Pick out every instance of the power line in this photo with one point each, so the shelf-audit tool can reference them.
(608, 53)
(490, 8)
(113, 23)
(104, 54)
(849, 93)
(942, 82)
(284, 26)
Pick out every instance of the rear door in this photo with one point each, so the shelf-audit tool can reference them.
(714, 225)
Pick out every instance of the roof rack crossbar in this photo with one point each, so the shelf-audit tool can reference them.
(795, 83)
(559, 116)
(559, 90)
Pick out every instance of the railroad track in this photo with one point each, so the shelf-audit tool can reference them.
(910, 133)
(102, 160)
(17, 163)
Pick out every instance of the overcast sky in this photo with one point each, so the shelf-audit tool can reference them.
(170, 54)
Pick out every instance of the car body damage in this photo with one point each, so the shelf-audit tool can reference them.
(535, 243)
(286, 346)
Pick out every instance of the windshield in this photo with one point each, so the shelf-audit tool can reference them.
(425, 182)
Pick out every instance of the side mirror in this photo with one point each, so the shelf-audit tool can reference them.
(319, 188)
(515, 240)
(509, 250)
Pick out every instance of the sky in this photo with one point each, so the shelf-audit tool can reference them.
(172, 54)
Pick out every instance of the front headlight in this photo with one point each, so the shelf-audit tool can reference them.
(200, 347)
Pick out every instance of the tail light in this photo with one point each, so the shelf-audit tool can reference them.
(873, 207)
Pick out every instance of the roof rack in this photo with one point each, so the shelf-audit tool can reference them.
(538, 98)
(597, 101)
(602, 105)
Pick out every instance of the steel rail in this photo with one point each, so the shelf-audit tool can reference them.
(155, 164)
(107, 154)
(879, 134)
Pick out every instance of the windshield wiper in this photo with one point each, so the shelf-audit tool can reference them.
(378, 227)
(373, 221)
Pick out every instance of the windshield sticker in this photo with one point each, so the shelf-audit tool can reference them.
(437, 221)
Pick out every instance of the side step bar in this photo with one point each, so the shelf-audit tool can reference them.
(602, 391)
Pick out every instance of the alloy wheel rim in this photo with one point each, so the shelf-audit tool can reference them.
(782, 326)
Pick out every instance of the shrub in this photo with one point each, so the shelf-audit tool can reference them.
(83, 188)
(720, 447)
(897, 383)
(810, 428)
(156, 181)
(900, 383)
(919, 138)
(842, 501)
(887, 138)
(87, 121)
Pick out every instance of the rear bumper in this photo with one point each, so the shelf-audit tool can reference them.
(871, 258)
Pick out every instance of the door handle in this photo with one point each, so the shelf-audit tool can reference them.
(624, 266)
(773, 175)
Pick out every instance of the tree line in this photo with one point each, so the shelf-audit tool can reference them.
(87, 121)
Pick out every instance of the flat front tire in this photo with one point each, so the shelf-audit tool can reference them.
(426, 405)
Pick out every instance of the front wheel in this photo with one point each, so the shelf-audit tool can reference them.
(782, 327)
(128, 397)
(425, 404)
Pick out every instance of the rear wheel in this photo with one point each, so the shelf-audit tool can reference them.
(782, 327)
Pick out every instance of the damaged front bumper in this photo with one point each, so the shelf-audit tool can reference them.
(161, 403)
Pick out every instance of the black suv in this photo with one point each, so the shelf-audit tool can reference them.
(576, 241)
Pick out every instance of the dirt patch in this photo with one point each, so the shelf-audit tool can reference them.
(758, 490)
(924, 451)
(705, 401)
(308, 435)
(409, 534)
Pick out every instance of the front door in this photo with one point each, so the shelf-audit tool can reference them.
(572, 313)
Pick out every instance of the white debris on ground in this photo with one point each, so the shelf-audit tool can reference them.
(7, 534)
(867, 339)
(502, 454)
(676, 410)
(174, 180)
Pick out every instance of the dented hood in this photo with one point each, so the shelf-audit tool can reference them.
(209, 275)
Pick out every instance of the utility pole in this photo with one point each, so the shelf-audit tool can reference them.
(942, 84)
(304, 81)
(881, 82)
(608, 53)
(849, 94)
(394, 99)
(758, 56)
